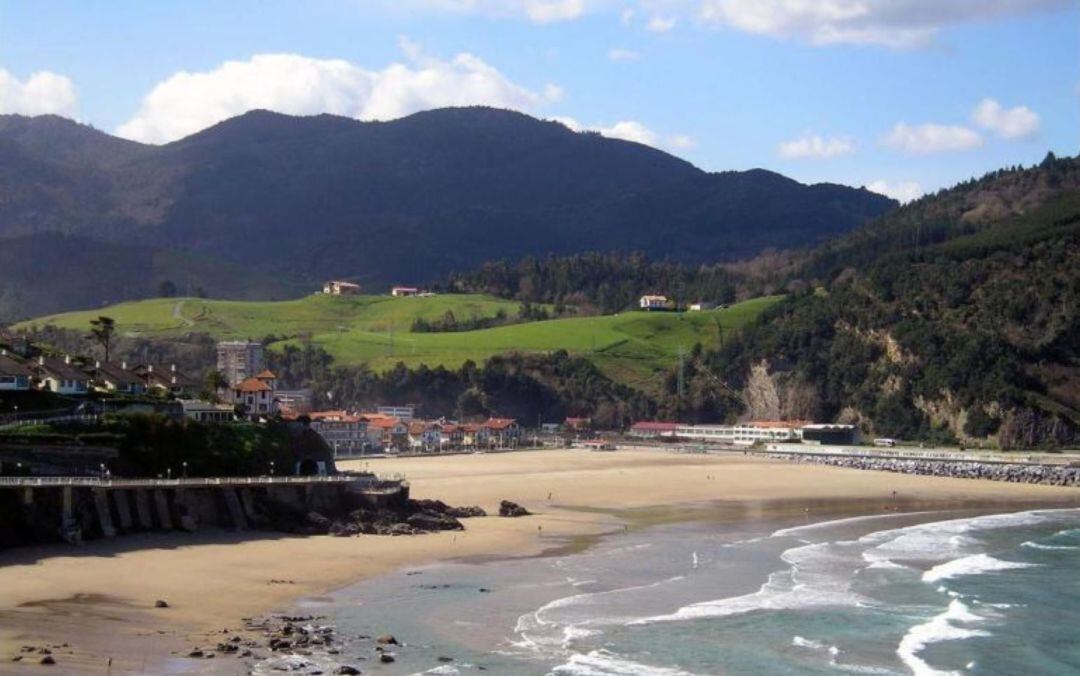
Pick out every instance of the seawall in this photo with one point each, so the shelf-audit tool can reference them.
(42, 510)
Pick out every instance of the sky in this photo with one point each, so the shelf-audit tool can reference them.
(902, 96)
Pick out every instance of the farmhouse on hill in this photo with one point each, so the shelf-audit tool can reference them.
(340, 288)
(654, 302)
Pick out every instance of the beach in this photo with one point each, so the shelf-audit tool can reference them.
(99, 599)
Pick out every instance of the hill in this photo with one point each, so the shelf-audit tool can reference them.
(954, 318)
(304, 199)
(632, 348)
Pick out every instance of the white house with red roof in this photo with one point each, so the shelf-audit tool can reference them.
(256, 394)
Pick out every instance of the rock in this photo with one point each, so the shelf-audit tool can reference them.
(444, 658)
(195, 653)
(161, 604)
(466, 512)
(386, 658)
(279, 644)
(318, 522)
(432, 521)
(387, 639)
(48, 659)
(508, 508)
(17, 658)
(347, 670)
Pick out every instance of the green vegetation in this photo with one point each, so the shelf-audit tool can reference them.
(955, 319)
(631, 347)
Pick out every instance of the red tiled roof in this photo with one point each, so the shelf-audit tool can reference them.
(266, 373)
(499, 423)
(252, 385)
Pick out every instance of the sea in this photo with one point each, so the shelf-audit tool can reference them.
(900, 593)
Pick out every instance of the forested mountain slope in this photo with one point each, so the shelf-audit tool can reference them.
(954, 318)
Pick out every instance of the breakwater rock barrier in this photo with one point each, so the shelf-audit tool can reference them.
(1057, 474)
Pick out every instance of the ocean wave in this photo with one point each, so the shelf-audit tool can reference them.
(941, 627)
(606, 663)
(818, 575)
(815, 645)
(1039, 545)
(950, 539)
(975, 564)
(811, 527)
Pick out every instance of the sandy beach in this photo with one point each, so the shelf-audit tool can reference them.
(99, 599)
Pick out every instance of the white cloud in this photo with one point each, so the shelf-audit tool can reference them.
(890, 23)
(617, 55)
(289, 83)
(1015, 123)
(661, 24)
(903, 191)
(42, 93)
(812, 145)
(537, 11)
(626, 17)
(632, 130)
(925, 139)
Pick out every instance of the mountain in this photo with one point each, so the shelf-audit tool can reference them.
(301, 199)
(954, 318)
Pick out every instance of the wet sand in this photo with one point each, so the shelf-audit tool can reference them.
(100, 598)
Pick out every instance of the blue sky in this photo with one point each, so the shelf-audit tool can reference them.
(902, 95)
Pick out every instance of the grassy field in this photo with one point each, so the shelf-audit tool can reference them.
(631, 347)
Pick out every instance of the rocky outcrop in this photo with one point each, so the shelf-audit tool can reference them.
(508, 508)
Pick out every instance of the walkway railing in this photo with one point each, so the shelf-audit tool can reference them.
(200, 482)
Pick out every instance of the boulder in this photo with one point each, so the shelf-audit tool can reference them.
(466, 512)
(508, 508)
(347, 670)
(160, 603)
(430, 521)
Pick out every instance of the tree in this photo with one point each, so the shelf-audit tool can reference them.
(167, 289)
(102, 330)
(215, 383)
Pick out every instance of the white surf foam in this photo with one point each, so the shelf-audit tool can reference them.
(975, 564)
(605, 663)
(818, 575)
(1039, 545)
(941, 627)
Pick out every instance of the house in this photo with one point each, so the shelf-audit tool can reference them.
(256, 393)
(577, 425)
(451, 435)
(14, 375)
(475, 435)
(339, 288)
(650, 302)
(702, 306)
(207, 412)
(654, 430)
(402, 291)
(61, 376)
(502, 432)
(167, 379)
(344, 432)
(119, 378)
(387, 432)
(424, 436)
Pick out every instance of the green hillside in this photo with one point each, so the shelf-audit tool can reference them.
(375, 330)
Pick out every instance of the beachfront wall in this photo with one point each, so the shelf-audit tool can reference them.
(34, 511)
